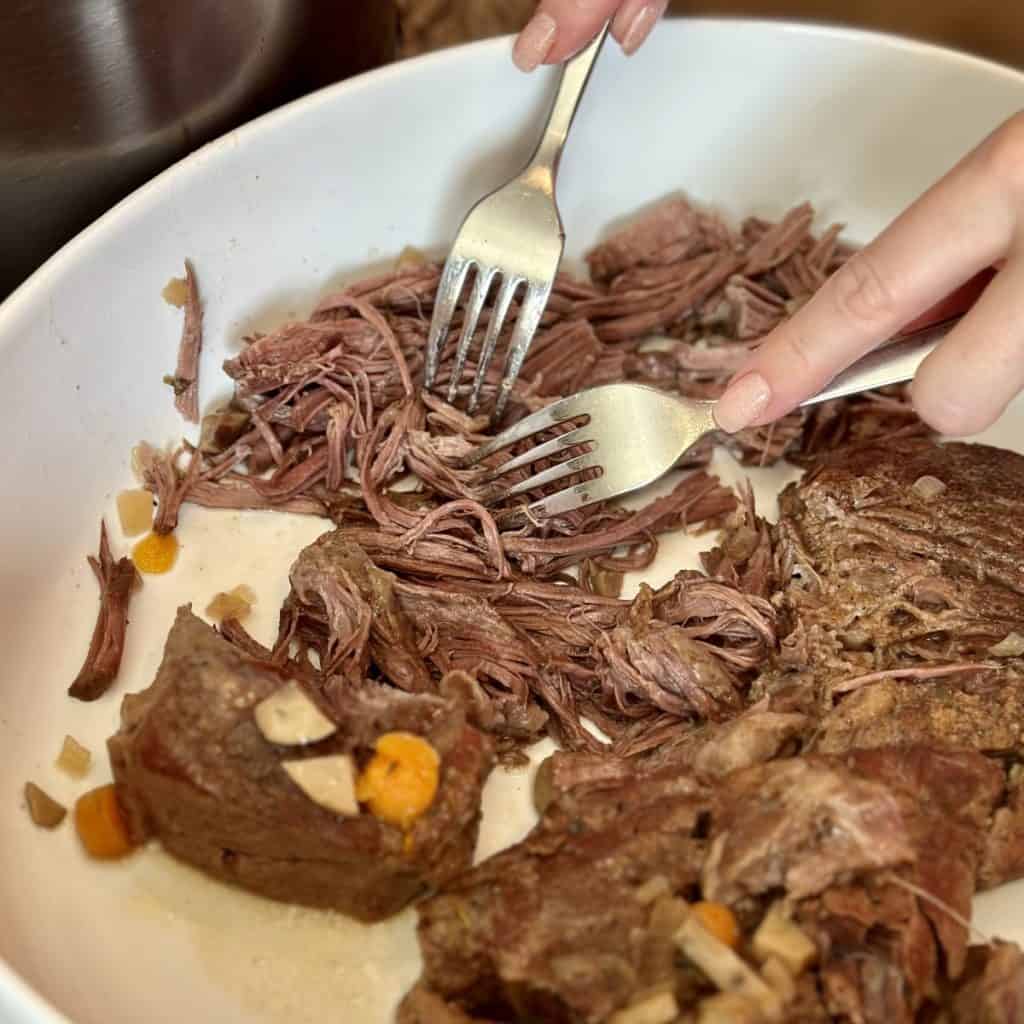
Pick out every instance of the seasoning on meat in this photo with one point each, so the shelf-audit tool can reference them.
(117, 580)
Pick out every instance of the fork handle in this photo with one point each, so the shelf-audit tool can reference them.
(892, 364)
(573, 80)
(899, 360)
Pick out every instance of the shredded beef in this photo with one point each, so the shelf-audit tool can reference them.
(332, 400)
(117, 581)
(993, 988)
(186, 376)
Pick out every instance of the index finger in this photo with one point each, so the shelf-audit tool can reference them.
(959, 226)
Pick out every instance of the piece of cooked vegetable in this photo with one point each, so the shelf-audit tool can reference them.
(724, 967)
(410, 258)
(719, 920)
(729, 1008)
(232, 604)
(175, 292)
(289, 718)
(658, 1007)
(220, 430)
(74, 759)
(543, 788)
(1011, 646)
(401, 780)
(100, 824)
(328, 781)
(668, 915)
(135, 511)
(928, 487)
(155, 553)
(777, 936)
(42, 808)
(656, 887)
(778, 975)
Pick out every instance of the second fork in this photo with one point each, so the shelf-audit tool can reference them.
(515, 237)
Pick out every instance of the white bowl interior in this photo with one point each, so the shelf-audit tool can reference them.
(750, 117)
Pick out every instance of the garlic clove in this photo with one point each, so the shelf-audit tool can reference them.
(289, 718)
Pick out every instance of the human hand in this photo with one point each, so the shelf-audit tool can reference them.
(561, 27)
(971, 219)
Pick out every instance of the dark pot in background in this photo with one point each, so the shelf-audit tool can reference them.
(97, 96)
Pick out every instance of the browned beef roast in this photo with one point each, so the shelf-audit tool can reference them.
(903, 555)
(193, 770)
(992, 989)
(903, 611)
(880, 848)
(877, 851)
(557, 927)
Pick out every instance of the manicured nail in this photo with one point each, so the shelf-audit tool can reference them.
(743, 401)
(640, 28)
(534, 42)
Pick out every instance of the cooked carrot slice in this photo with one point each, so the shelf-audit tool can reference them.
(720, 921)
(401, 780)
(100, 824)
(155, 553)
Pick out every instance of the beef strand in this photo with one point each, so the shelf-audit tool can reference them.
(117, 580)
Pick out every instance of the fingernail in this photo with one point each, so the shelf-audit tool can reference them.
(743, 401)
(640, 28)
(534, 42)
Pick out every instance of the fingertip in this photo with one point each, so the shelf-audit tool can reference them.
(634, 21)
(534, 44)
(743, 403)
(951, 415)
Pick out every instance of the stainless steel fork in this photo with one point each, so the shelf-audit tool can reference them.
(634, 434)
(515, 234)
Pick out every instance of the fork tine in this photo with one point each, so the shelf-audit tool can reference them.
(498, 314)
(531, 311)
(543, 419)
(572, 498)
(481, 286)
(542, 451)
(448, 291)
(557, 472)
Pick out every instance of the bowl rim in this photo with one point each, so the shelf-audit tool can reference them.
(150, 191)
(28, 1003)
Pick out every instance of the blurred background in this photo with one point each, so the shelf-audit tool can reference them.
(97, 96)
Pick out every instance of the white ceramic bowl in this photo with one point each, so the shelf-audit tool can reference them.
(752, 116)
